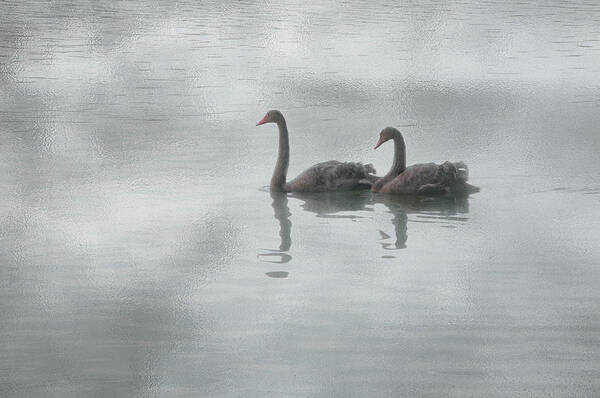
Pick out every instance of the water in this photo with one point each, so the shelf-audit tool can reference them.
(141, 255)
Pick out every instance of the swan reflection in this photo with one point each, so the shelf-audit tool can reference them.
(442, 210)
(329, 204)
(445, 211)
(281, 213)
(277, 274)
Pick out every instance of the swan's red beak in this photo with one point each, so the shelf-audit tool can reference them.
(381, 141)
(262, 121)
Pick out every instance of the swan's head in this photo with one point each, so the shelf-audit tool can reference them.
(273, 116)
(386, 134)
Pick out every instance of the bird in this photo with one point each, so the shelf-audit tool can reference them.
(420, 179)
(326, 176)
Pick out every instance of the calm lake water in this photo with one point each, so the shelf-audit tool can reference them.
(140, 254)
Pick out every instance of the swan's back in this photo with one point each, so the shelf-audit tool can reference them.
(333, 176)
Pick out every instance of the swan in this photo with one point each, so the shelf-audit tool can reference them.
(420, 179)
(325, 176)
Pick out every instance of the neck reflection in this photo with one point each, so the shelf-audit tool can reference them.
(281, 213)
(400, 222)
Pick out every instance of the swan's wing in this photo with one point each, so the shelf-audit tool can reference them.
(333, 176)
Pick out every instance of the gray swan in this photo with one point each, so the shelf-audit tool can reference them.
(420, 179)
(325, 176)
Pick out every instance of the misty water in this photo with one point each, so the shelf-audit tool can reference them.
(142, 255)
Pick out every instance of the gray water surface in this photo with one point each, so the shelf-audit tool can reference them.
(140, 254)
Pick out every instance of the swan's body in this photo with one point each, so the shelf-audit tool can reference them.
(421, 179)
(428, 179)
(325, 176)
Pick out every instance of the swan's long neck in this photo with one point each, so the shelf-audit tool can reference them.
(399, 164)
(283, 159)
(399, 155)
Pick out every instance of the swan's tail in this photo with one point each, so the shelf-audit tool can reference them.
(462, 175)
(370, 173)
(462, 171)
(370, 169)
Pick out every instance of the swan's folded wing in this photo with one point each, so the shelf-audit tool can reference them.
(413, 178)
(332, 176)
(350, 175)
(432, 179)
